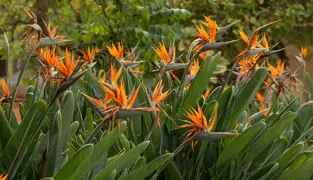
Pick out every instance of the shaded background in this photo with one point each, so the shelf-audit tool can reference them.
(99, 22)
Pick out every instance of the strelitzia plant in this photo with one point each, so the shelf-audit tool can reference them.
(119, 123)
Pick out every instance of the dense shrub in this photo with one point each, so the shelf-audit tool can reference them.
(164, 117)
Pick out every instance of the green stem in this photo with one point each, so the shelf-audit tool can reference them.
(41, 94)
(7, 57)
(227, 79)
(182, 84)
(295, 72)
(30, 53)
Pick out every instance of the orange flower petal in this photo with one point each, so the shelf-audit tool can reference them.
(162, 52)
(132, 98)
(259, 97)
(244, 37)
(202, 33)
(304, 52)
(5, 87)
(265, 43)
(254, 40)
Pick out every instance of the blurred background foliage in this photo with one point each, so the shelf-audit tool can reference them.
(100, 22)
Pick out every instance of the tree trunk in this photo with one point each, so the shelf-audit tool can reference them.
(2, 68)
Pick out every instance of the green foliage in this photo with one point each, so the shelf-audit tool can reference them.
(200, 82)
(153, 118)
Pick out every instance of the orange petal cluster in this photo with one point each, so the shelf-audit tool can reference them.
(89, 55)
(5, 88)
(67, 68)
(118, 52)
(166, 56)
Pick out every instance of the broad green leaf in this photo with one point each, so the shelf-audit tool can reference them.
(270, 134)
(6, 109)
(172, 171)
(247, 94)
(67, 117)
(124, 142)
(200, 82)
(278, 147)
(240, 143)
(112, 175)
(88, 121)
(264, 172)
(69, 170)
(299, 171)
(289, 155)
(270, 172)
(38, 153)
(94, 83)
(149, 168)
(22, 111)
(52, 150)
(122, 161)
(101, 148)
(304, 120)
(67, 112)
(6, 131)
(73, 128)
(16, 148)
(301, 158)
(140, 162)
(223, 102)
